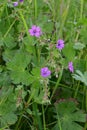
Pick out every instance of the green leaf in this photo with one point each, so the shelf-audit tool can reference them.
(83, 21)
(48, 27)
(79, 116)
(78, 46)
(9, 42)
(18, 66)
(7, 107)
(80, 76)
(37, 89)
(20, 60)
(9, 118)
(29, 45)
(68, 115)
(36, 72)
(8, 54)
(80, 64)
(69, 52)
(21, 76)
(1, 39)
(83, 35)
(4, 79)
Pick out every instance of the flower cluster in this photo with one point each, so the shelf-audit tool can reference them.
(45, 72)
(35, 31)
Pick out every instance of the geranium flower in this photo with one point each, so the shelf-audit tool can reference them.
(21, 0)
(45, 72)
(35, 31)
(15, 3)
(60, 44)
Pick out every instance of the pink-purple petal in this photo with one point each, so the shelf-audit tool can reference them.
(60, 44)
(35, 31)
(45, 72)
(70, 67)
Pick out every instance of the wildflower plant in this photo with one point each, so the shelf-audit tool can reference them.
(43, 62)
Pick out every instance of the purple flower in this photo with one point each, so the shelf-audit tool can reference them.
(60, 44)
(21, 0)
(45, 72)
(15, 3)
(35, 31)
(70, 67)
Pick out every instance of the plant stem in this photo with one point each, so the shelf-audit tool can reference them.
(24, 110)
(16, 128)
(59, 123)
(56, 86)
(86, 61)
(83, 99)
(52, 123)
(32, 94)
(38, 121)
(25, 24)
(86, 100)
(1, 13)
(57, 83)
(63, 18)
(26, 28)
(38, 52)
(35, 8)
(76, 91)
(4, 127)
(85, 128)
(7, 16)
(9, 28)
(82, 5)
(43, 118)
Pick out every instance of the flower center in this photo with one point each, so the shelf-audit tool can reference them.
(34, 31)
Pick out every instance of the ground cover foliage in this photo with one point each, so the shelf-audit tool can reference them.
(43, 65)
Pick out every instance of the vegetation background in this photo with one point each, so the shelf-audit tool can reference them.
(28, 100)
